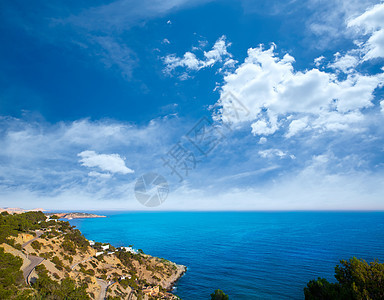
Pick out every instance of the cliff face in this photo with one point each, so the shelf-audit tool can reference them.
(100, 269)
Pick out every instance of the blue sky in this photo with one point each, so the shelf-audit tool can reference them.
(289, 93)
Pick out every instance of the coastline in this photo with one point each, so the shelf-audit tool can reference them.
(55, 251)
(75, 215)
(181, 270)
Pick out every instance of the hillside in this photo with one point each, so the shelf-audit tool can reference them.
(52, 260)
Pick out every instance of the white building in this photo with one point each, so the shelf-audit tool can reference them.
(105, 247)
(91, 243)
(129, 249)
(99, 253)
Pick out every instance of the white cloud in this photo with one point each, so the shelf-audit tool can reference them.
(262, 140)
(166, 41)
(371, 19)
(318, 60)
(271, 153)
(372, 23)
(100, 175)
(263, 127)
(297, 126)
(106, 162)
(326, 20)
(39, 168)
(345, 63)
(218, 52)
(382, 106)
(272, 91)
(189, 61)
(43, 158)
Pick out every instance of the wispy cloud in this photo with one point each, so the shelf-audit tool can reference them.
(50, 165)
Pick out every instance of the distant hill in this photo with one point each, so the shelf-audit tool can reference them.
(18, 210)
(75, 215)
(66, 215)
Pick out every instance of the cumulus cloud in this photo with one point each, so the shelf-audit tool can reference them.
(263, 127)
(106, 162)
(318, 60)
(345, 63)
(190, 62)
(275, 93)
(296, 126)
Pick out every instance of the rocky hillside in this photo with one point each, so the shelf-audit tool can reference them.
(52, 260)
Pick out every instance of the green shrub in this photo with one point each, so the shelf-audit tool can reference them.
(219, 295)
(69, 247)
(11, 278)
(356, 280)
(36, 245)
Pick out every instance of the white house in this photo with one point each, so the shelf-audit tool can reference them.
(105, 247)
(129, 249)
(91, 243)
(99, 253)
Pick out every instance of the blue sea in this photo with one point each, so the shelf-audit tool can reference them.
(249, 255)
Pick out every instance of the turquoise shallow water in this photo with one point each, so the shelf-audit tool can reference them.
(249, 255)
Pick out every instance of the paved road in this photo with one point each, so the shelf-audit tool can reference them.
(130, 295)
(38, 234)
(103, 288)
(35, 260)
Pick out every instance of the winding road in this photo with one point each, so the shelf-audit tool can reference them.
(103, 288)
(38, 234)
(35, 260)
(80, 262)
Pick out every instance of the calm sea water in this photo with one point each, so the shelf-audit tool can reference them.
(249, 255)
